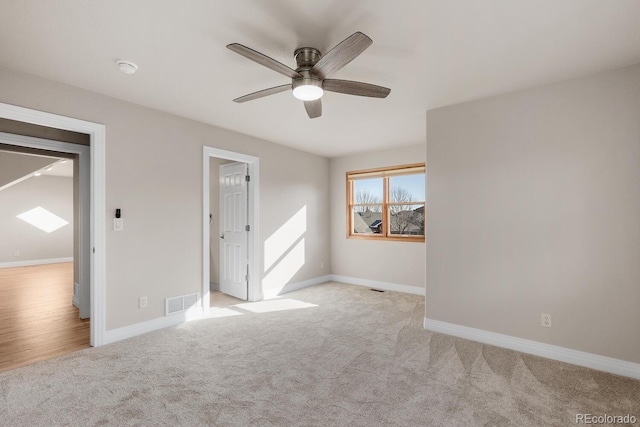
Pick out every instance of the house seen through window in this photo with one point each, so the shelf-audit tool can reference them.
(387, 203)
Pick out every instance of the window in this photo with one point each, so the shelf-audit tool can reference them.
(387, 203)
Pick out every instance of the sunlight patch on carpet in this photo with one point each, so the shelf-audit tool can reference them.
(223, 312)
(274, 305)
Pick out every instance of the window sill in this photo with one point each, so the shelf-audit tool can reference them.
(417, 239)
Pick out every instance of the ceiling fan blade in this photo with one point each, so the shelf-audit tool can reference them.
(262, 93)
(314, 108)
(355, 88)
(263, 60)
(343, 53)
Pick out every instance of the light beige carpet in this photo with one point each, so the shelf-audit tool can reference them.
(346, 356)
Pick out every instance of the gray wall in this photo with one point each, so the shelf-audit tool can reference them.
(534, 206)
(154, 174)
(387, 261)
(54, 194)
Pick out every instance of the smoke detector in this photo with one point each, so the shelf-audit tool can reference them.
(127, 67)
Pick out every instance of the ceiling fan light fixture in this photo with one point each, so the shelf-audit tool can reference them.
(307, 89)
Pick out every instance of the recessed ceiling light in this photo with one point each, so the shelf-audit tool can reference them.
(127, 67)
(63, 162)
(37, 174)
(43, 219)
(48, 168)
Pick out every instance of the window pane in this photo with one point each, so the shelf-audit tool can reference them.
(406, 219)
(406, 188)
(367, 219)
(367, 191)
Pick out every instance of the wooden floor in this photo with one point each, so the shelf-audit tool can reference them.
(218, 299)
(37, 319)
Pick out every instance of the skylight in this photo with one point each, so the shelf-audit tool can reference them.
(43, 219)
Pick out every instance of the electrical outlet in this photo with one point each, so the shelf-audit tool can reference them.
(322, 266)
(16, 253)
(545, 320)
(143, 302)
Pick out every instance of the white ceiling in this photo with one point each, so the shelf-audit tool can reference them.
(431, 53)
(61, 169)
(16, 167)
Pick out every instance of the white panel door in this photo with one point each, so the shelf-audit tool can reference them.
(233, 234)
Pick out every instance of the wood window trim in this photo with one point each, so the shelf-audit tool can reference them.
(386, 173)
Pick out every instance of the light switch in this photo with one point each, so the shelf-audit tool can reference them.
(118, 224)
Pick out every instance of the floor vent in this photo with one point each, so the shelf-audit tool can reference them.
(376, 290)
(179, 304)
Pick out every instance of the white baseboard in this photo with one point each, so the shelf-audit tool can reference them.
(197, 312)
(27, 263)
(375, 284)
(194, 313)
(272, 293)
(562, 354)
(214, 286)
(141, 328)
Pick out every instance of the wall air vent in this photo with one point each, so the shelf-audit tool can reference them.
(180, 304)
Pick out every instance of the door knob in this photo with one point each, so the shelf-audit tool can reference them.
(222, 236)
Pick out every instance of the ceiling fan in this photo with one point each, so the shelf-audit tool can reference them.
(309, 80)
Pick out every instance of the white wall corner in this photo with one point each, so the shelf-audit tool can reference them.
(274, 292)
(142, 328)
(375, 284)
(562, 354)
(76, 298)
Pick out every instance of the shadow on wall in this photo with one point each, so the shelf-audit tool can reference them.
(284, 253)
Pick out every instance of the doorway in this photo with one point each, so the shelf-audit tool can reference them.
(249, 279)
(39, 286)
(92, 245)
(78, 155)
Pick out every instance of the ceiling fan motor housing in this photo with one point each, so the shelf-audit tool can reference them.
(306, 57)
(307, 79)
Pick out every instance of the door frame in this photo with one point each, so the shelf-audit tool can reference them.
(96, 188)
(253, 248)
